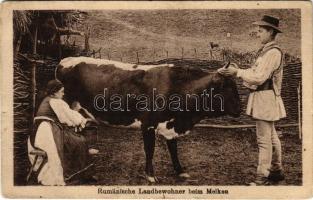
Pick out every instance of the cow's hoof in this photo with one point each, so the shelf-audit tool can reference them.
(151, 179)
(184, 175)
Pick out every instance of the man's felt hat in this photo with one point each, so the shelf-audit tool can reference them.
(269, 21)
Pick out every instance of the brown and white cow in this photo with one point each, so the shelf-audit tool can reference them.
(165, 98)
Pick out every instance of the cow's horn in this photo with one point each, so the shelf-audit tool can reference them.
(227, 65)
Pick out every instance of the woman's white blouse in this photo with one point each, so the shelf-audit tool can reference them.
(65, 114)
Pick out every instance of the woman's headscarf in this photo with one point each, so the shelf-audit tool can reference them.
(53, 86)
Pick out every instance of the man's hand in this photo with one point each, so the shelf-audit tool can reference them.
(230, 71)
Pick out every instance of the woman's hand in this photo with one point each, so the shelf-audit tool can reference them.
(89, 120)
(78, 107)
(230, 71)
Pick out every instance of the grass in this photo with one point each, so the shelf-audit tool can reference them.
(211, 156)
(121, 33)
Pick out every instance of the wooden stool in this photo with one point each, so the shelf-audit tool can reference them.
(38, 153)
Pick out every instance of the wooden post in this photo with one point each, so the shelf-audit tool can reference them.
(166, 55)
(211, 54)
(182, 53)
(33, 73)
(137, 57)
(87, 34)
(153, 55)
(109, 56)
(86, 43)
(18, 44)
(100, 53)
(59, 43)
(35, 40)
(299, 110)
(195, 53)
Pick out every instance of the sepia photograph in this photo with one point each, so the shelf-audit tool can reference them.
(156, 99)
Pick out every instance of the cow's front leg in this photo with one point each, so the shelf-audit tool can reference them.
(149, 143)
(172, 147)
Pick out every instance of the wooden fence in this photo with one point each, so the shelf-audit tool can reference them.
(143, 55)
(22, 118)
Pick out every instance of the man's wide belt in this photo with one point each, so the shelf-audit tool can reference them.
(267, 85)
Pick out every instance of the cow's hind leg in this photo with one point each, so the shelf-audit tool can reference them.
(172, 147)
(149, 144)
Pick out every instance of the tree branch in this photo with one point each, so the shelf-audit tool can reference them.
(31, 60)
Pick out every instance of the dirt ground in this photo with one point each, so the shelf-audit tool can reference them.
(210, 156)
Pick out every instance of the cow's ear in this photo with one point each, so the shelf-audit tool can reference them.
(217, 80)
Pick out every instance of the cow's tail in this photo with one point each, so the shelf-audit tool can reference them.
(55, 72)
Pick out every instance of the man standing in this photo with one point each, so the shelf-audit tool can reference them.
(265, 105)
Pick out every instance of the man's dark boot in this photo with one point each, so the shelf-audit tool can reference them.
(276, 175)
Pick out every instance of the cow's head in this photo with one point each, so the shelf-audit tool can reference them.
(225, 89)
